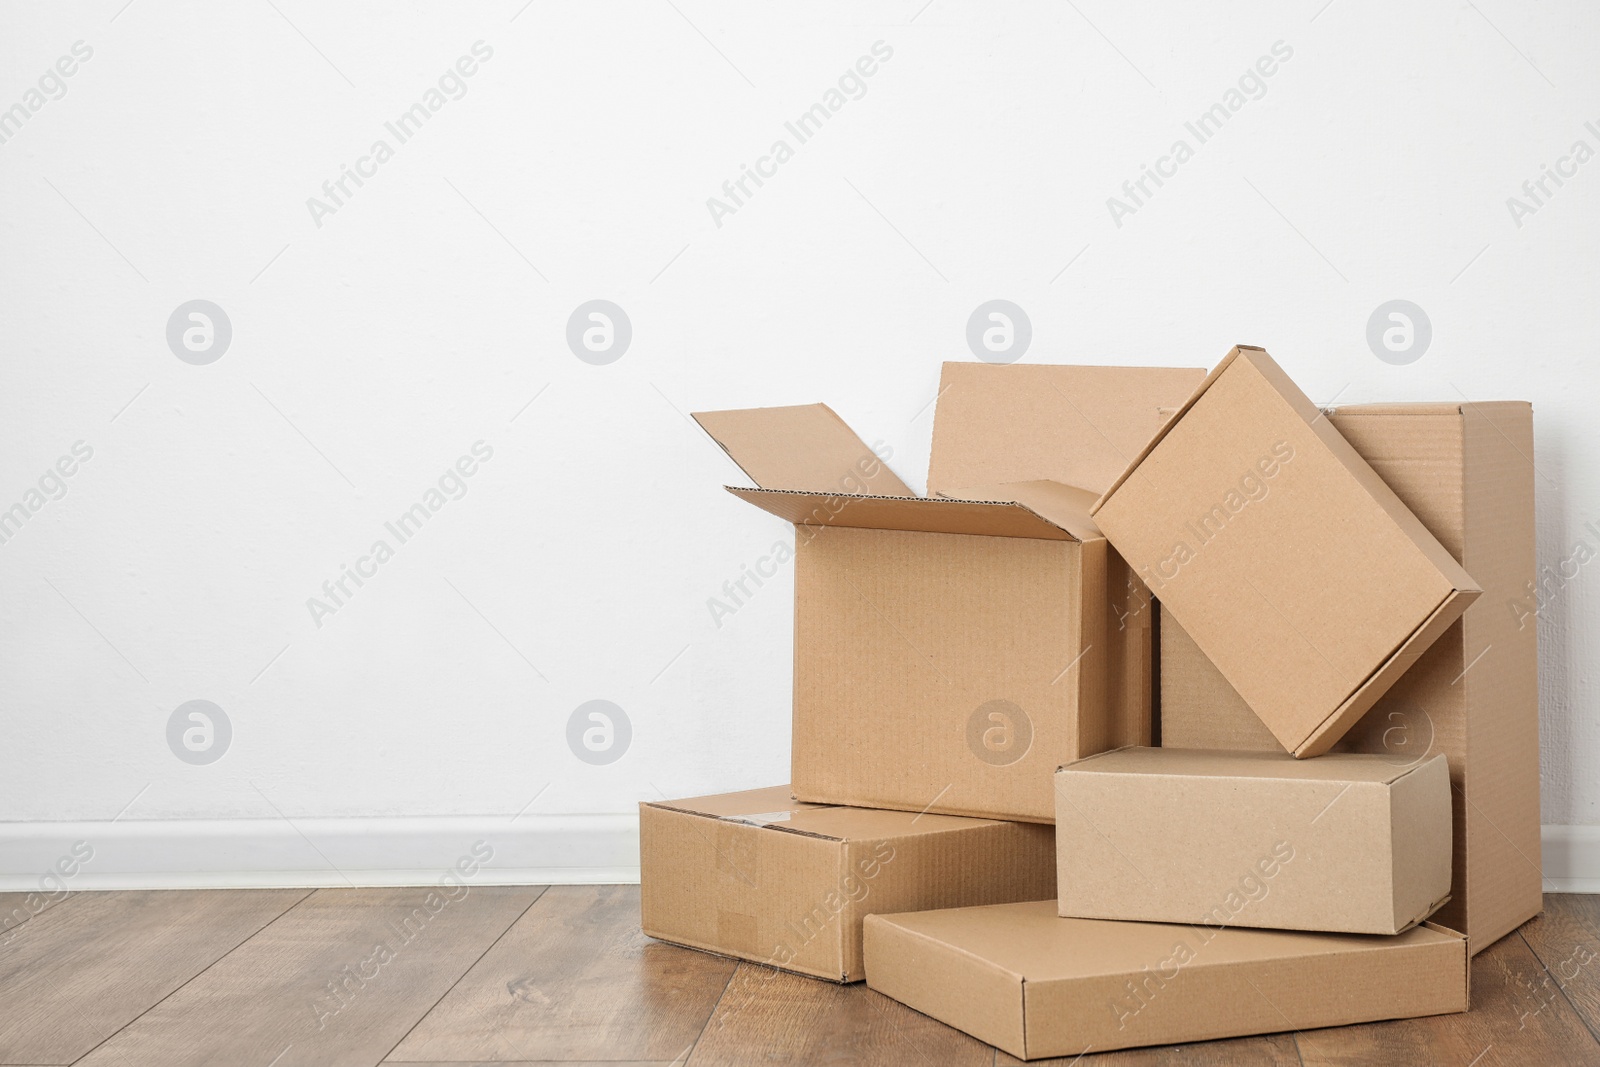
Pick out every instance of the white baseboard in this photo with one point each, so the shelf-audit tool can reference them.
(533, 849)
(1572, 859)
(530, 850)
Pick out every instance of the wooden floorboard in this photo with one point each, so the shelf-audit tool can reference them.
(74, 974)
(336, 981)
(510, 977)
(1510, 1023)
(18, 908)
(1566, 939)
(769, 1016)
(575, 979)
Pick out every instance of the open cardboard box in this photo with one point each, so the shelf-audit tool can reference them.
(1282, 553)
(759, 877)
(950, 652)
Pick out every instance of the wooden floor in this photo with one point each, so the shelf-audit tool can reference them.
(274, 978)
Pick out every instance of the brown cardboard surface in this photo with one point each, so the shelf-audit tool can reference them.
(1036, 985)
(949, 654)
(1346, 843)
(760, 877)
(1280, 551)
(926, 514)
(805, 446)
(949, 672)
(1466, 471)
(1025, 422)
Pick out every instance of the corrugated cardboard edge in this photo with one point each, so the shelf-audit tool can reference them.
(750, 495)
(1501, 811)
(1365, 695)
(1466, 961)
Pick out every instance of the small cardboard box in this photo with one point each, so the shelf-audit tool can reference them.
(1466, 470)
(949, 653)
(759, 877)
(1282, 553)
(1036, 985)
(1346, 843)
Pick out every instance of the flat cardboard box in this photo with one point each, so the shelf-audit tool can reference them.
(948, 654)
(1466, 470)
(1036, 985)
(1346, 843)
(1282, 553)
(1023, 422)
(759, 877)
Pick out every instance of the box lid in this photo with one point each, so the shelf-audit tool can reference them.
(1202, 763)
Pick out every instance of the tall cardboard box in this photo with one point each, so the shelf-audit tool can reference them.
(759, 877)
(1466, 470)
(1037, 985)
(1282, 553)
(1345, 843)
(949, 654)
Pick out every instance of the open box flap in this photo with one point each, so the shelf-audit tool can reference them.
(805, 448)
(1066, 506)
(924, 514)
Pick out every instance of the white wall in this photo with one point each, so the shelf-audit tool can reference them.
(374, 345)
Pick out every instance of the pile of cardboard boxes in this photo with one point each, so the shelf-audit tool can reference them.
(1181, 651)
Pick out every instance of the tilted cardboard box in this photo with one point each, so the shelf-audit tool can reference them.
(1036, 985)
(949, 654)
(1466, 470)
(1345, 843)
(1282, 553)
(759, 877)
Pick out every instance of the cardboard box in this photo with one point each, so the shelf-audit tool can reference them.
(1346, 843)
(1023, 422)
(1282, 552)
(949, 654)
(1036, 985)
(1466, 470)
(759, 877)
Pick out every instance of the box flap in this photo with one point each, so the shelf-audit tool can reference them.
(805, 448)
(1025, 421)
(1065, 505)
(924, 514)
